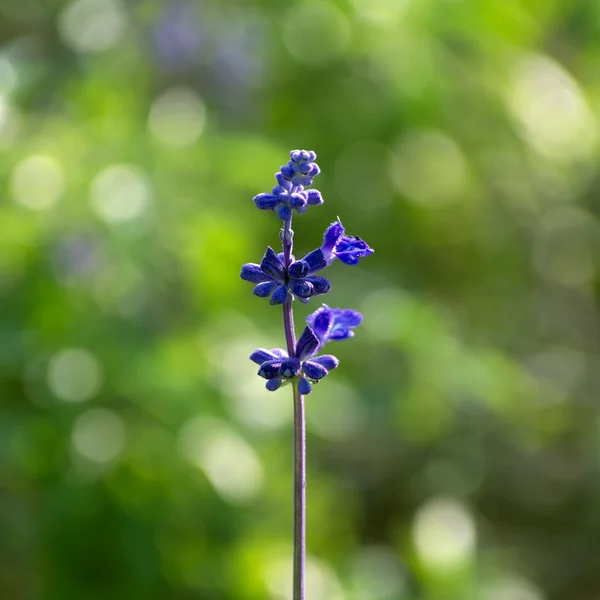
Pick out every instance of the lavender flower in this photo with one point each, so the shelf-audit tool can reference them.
(276, 367)
(289, 193)
(283, 278)
(336, 245)
(333, 323)
(273, 279)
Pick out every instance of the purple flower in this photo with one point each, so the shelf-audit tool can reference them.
(277, 368)
(347, 248)
(333, 323)
(274, 280)
(289, 193)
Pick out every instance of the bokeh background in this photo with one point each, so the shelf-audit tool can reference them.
(455, 453)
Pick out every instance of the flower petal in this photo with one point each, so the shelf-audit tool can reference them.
(267, 201)
(280, 352)
(284, 212)
(307, 344)
(272, 266)
(273, 384)
(253, 273)
(261, 355)
(316, 260)
(287, 171)
(286, 184)
(332, 235)
(262, 290)
(298, 269)
(270, 369)
(302, 288)
(314, 197)
(328, 361)
(290, 367)
(350, 248)
(279, 295)
(298, 199)
(321, 285)
(304, 386)
(321, 321)
(313, 370)
(343, 321)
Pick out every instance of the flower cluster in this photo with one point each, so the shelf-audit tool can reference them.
(283, 278)
(289, 193)
(299, 280)
(325, 324)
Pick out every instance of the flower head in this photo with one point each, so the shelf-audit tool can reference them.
(278, 368)
(289, 193)
(336, 245)
(333, 323)
(347, 248)
(273, 279)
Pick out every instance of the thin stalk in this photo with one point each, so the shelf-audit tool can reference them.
(299, 495)
(299, 435)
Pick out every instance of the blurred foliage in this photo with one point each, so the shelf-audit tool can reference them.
(455, 453)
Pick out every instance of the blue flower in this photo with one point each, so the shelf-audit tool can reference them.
(274, 280)
(333, 323)
(277, 368)
(336, 245)
(289, 193)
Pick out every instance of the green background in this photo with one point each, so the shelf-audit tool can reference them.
(454, 454)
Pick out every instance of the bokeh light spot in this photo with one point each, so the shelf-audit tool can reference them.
(321, 581)
(37, 182)
(177, 117)
(563, 248)
(558, 370)
(550, 110)
(74, 375)
(340, 412)
(8, 75)
(9, 121)
(316, 32)
(428, 168)
(511, 588)
(93, 25)
(229, 462)
(377, 575)
(383, 12)
(99, 435)
(120, 193)
(443, 533)
(249, 400)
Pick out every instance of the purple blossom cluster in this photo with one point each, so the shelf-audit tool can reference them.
(282, 278)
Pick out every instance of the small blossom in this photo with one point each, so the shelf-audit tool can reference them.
(277, 368)
(272, 279)
(347, 248)
(289, 193)
(333, 323)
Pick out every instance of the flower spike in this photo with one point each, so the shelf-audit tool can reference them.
(282, 279)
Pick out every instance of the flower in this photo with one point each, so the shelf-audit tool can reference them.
(278, 368)
(347, 248)
(289, 193)
(273, 279)
(333, 323)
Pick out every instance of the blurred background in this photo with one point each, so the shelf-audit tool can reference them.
(455, 453)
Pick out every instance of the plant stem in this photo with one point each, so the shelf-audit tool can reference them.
(299, 495)
(299, 435)
(288, 313)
